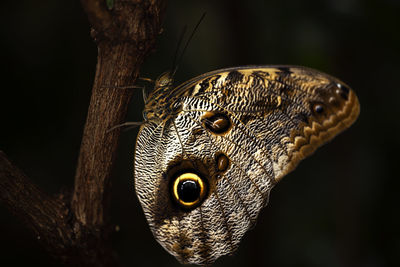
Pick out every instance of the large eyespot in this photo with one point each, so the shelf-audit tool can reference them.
(189, 190)
(217, 123)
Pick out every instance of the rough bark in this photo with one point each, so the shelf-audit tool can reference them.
(74, 229)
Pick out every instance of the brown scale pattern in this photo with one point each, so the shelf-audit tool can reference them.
(240, 130)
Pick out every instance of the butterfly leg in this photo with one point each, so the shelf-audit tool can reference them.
(129, 124)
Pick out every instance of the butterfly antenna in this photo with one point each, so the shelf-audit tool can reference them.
(178, 46)
(187, 43)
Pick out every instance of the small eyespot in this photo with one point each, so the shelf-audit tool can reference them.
(318, 108)
(222, 162)
(332, 100)
(344, 88)
(217, 123)
(189, 190)
(342, 91)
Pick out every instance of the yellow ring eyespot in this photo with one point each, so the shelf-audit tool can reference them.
(188, 189)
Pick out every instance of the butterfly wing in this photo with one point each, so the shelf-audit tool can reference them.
(233, 135)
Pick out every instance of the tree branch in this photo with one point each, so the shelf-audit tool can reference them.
(98, 15)
(76, 230)
(45, 215)
(119, 60)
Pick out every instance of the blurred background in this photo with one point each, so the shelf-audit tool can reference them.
(339, 208)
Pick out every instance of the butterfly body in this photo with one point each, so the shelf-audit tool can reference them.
(213, 148)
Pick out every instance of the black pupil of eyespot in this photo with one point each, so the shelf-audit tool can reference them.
(319, 109)
(188, 191)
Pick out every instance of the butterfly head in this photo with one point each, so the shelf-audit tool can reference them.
(164, 81)
(157, 104)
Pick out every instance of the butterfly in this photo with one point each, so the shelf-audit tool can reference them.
(211, 149)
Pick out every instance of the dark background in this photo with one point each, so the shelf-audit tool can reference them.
(339, 208)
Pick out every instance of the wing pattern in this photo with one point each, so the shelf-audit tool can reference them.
(239, 130)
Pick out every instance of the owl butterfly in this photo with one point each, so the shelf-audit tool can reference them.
(211, 150)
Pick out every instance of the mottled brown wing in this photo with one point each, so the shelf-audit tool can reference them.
(229, 137)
